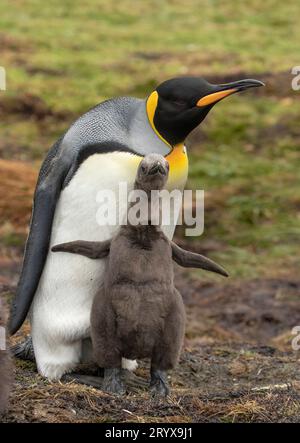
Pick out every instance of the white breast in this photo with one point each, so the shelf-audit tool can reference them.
(75, 216)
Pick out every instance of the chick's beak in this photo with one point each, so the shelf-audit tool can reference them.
(224, 90)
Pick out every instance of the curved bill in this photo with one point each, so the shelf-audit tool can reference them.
(226, 89)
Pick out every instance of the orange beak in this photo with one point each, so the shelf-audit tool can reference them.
(215, 97)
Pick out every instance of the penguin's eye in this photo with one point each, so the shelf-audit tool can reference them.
(178, 103)
(143, 168)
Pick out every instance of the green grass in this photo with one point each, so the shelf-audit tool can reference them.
(95, 49)
(74, 54)
(257, 213)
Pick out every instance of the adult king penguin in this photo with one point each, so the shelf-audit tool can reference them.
(102, 148)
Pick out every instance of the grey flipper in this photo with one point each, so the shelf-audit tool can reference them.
(45, 198)
(114, 125)
(189, 259)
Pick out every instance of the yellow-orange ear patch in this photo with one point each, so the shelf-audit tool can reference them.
(151, 108)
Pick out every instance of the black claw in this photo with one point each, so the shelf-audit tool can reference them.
(158, 384)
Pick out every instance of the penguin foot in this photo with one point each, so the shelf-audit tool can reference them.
(24, 350)
(88, 380)
(158, 384)
(132, 381)
(113, 382)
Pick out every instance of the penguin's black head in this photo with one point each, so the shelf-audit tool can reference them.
(178, 105)
(152, 173)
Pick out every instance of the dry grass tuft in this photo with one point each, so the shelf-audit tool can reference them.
(17, 182)
(247, 410)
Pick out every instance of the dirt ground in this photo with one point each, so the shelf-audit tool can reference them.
(237, 364)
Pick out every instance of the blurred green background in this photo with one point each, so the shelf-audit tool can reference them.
(64, 57)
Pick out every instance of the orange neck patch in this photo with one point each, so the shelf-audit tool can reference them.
(179, 165)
